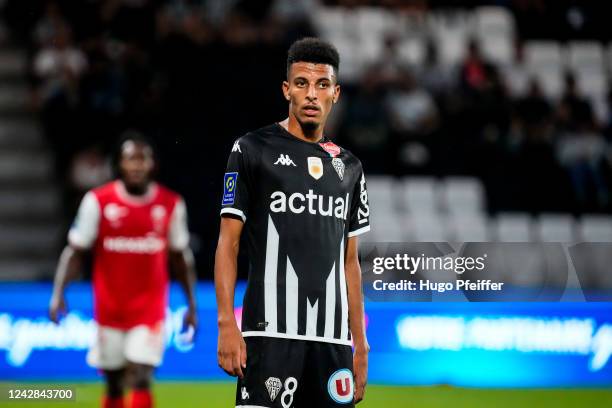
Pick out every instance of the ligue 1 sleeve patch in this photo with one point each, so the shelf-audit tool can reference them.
(230, 182)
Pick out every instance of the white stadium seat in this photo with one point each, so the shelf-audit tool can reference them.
(412, 50)
(555, 228)
(426, 227)
(421, 195)
(462, 195)
(540, 54)
(596, 228)
(498, 49)
(469, 228)
(513, 227)
(494, 20)
(517, 79)
(585, 54)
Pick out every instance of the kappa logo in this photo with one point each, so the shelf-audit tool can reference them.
(340, 386)
(236, 147)
(273, 385)
(284, 160)
(245, 393)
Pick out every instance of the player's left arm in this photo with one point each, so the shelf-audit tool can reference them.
(182, 261)
(356, 318)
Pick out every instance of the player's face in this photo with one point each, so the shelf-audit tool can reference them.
(136, 164)
(311, 90)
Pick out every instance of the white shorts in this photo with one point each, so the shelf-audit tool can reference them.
(114, 348)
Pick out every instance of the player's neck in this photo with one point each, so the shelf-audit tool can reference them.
(293, 126)
(136, 191)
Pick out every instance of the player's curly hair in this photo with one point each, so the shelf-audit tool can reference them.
(315, 50)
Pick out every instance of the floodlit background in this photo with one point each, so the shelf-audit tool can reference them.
(475, 121)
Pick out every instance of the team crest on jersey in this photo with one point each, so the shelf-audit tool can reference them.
(113, 213)
(273, 385)
(331, 148)
(230, 182)
(339, 167)
(315, 167)
(340, 386)
(158, 214)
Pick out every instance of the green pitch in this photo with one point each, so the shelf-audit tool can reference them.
(221, 395)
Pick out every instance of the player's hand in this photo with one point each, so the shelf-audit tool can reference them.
(191, 318)
(57, 305)
(360, 372)
(231, 350)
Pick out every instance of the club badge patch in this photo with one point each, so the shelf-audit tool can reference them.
(230, 182)
(340, 386)
(331, 148)
(339, 167)
(315, 167)
(273, 385)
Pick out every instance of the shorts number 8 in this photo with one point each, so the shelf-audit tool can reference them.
(291, 385)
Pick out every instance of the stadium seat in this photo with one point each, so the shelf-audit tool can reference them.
(596, 228)
(329, 21)
(497, 48)
(513, 227)
(540, 54)
(550, 78)
(428, 227)
(382, 193)
(555, 228)
(517, 79)
(421, 195)
(469, 228)
(585, 54)
(592, 81)
(450, 32)
(352, 63)
(387, 227)
(491, 20)
(412, 50)
(462, 195)
(375, 22)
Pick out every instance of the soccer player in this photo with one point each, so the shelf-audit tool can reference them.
(301, 201)
(134, 227)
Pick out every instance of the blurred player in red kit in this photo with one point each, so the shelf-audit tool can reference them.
(134, 228)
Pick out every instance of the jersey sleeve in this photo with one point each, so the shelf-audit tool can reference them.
(84, 229)
(360, 208)
(235, 200)
(178, 235)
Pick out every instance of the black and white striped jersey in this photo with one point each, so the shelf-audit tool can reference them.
(300, 202)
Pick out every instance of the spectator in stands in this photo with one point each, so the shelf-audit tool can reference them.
(574, 111)
(364, 122)
(436, 77)
(413, 117)
(582, 150)
(473, 70)
(58, 67)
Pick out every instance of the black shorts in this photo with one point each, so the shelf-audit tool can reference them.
(285, 373)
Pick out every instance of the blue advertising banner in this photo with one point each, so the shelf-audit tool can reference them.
(466, 344)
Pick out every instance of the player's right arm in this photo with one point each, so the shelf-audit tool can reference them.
(81, 237)
(68, 269)
(231, 351)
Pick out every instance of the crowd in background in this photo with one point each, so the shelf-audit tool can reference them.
(194, 75)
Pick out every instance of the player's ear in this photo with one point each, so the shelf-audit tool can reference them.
(286, 90)
(336, 93)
